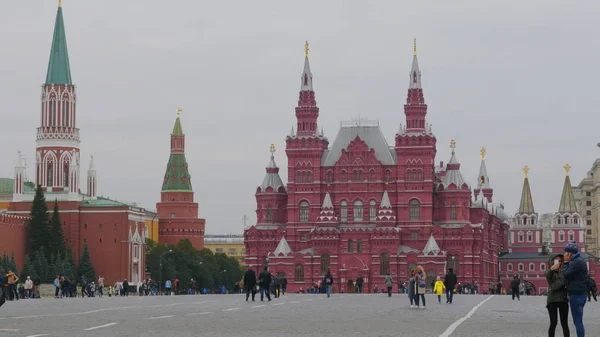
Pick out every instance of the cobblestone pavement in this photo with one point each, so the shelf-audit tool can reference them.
(290, 315)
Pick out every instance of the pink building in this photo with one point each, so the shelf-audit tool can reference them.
(534, 238)
(364, 208)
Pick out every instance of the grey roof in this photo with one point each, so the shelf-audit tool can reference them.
(306, 83)
(283, 248)
(370, 134)
(485, 182)
(272, 178)
(453, 175)
(526, 205)
(415, 75)
(385, 200)
(431, 246)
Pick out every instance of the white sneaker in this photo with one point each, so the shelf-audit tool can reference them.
(412, 306)
(423, 308)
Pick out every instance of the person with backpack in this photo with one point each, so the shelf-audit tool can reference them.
(328, 282)
(592, 289)
(389, 283)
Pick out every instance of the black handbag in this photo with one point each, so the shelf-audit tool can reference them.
(558, 284)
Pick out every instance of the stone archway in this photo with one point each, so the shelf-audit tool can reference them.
(350, 288)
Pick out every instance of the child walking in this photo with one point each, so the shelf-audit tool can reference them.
(439, 288)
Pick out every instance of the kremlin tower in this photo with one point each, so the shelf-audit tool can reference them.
(177, 211)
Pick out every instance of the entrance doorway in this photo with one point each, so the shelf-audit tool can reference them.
(350, 288)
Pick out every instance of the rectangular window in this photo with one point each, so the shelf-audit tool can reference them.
(588, 222)
(588, 212)
(304, 237)
(588, 194)
(588, 203)
(414, 236)
(232, 250)
(589, 232)
(359, 246)
(219, 250)
(350, 246)
(344, 212)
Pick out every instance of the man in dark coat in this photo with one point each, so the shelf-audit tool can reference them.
(450, 282)
(250, 283)
(265, 284)
(514, 287)
(575, 272)
(592, 289)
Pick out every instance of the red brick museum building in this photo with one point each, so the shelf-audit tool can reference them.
(363, 208)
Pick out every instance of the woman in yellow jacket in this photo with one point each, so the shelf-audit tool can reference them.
(439, 288)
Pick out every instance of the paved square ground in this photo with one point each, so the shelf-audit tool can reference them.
(290, 315)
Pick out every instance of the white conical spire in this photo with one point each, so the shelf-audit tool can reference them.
(415, 73)
(385, 200)
(327, 204)
(431, 246)
(327, 214)
(385, 212)
(306, 79)
(283, 248)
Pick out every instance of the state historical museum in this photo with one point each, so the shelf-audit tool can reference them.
(364, 208)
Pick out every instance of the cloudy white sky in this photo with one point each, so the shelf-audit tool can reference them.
(518, 77)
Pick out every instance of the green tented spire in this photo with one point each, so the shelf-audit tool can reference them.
(526, 205)
(177, 130)
(59, 71)
(177, 177)
(567, 200)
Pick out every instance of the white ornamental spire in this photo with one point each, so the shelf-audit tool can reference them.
(92, 180)
(415, 73)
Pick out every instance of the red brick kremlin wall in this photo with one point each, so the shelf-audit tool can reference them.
(13, 230)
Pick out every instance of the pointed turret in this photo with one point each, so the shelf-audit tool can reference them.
(272, 179)
(415, 108)
(177, 176)
(483, 181)
(307, 111)
(327, 214)
(453, 175)
(59, 70)
(385, 212)
(526, 205)
(283, 248)
(567, 200)
(20, 175)
(431, 247)
(92, 180)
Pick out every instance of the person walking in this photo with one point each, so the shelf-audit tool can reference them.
(450, 282)
(328, 282)
(515, 287)
(412, 284)
(421, 279)
(439, 289)
(12, 280)
(265, 284)
(29, 287)
(283, 284)
(592, 289)
(389, 283)
(100, 286)
(557, 296)
(575, 272)
(250, 283)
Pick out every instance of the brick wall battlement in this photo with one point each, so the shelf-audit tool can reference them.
(12, 220)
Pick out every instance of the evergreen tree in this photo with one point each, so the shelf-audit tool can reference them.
(51, 275)
(56, 243)
(28, 268)
(85, 271)
(40, 265)
(69, 265)
(13, 263)
(5, 263)
(38, 227)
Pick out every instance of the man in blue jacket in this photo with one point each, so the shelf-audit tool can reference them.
(575, 272)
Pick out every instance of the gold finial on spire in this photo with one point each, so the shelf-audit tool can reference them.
(483, 152)
(452, 144)
(59, 3)
(567, 169)
(526, 169)
(415, 47)
(272, 148)
(179, 112)
(306, 49)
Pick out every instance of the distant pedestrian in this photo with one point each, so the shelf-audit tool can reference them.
(265, 284)
(421, 287)
(389, 283)
(439, 289)
(100, 286)
(450, 282)
(29, 287)
(576, 273)
(557, 296)
(412, 287)
(250, 283)
(283, 281)
(328, 282)
(592, 289)
(515, 285)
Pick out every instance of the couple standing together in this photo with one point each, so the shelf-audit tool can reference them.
(567, 284)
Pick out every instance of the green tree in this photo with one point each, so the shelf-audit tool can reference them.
(5, 263)
(13, 263)
(38, 227)
(56, 243)
(28, 268)
(69, 265)
(85, 271)
(40, 265)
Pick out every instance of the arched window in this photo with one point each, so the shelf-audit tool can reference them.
(354, 175)
(50, 174)
(384, 265)
(350, 246)
(359, 246)
(309, 177)
(531, 266)
(344, 176)
(521, 267)
(415, 210)
(304, 211)
(52, 112)
(66, 174)
(299, 177)
(453, 212)
(344, 211)
(571, 236)
(388, 175)
(542, 266)
(561, 236)
(521, 237)
(529, 236)
(453, 263)
(358, 210)
(372, 210)
(329, 176)
(360, 175)
(324, 263)
(269, 214)
(299, 273)
(372, 175)
(65, 112)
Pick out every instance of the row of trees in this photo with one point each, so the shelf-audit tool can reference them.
(44, 269)
(44, 233)
(182, 261)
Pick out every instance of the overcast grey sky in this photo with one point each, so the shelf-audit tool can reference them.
(518, 77)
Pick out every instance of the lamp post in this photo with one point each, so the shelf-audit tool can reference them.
(160, 273)
(499, 254)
